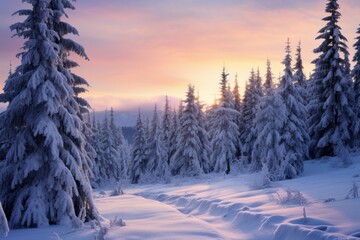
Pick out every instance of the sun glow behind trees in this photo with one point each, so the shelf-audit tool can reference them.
(155, 50)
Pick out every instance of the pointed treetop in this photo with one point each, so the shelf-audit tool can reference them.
(268, 78)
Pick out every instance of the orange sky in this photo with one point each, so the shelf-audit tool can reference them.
(141, 50)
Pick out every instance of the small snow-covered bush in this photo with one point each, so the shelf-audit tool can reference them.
(354, 191)
(100, 230)
(100, 234)
(261, 180)
(292, 197)
(118, 190)
(117, 222)
(4, 227)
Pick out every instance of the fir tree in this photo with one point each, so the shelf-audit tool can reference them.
(332, 96)
(356, 78)
(294, 135)
(109, 166)
(268, 152)
(157, 165)
(187, 158)
(174, 126)
(236, 94)
(166, 128)
(121, 146)
(299, 76)
(94, 141)
(44, 176)
(251, 99)
(237, 107)
(204, 138)
(139, 157)
(224, 134)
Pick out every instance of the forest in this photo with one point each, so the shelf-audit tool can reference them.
(54, 153)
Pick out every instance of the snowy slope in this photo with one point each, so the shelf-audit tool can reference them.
(228, 207)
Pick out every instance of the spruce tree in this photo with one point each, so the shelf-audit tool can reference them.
(44, 177)
(236, 94)
(356, 79)
(174, 126)
(224, 133)
(204, 138)
(299, 76)
(251, 99)
(237, 107)
(120, 144)
(94, 141)
(269, 151)
(139, 157)
(332, 97)
(109, 166)
(166, 128)
(294, 135)
(157, 166)
(187, 159)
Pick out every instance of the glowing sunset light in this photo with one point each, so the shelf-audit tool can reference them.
(140, 50)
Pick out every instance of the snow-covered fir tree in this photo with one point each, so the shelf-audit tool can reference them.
(252, 96)
(204, 138)
(237, 107)
(44, 176)
(108, 165)
(139, 156)
(236, 94)
(93, 141)
(157, 165)
(187, 158)
(224, 132)
(332, 96)
(166, 128)
(294, 134)
(269, 150)
(299, 76)
(174, 126)
(121, 145)
(356, 79)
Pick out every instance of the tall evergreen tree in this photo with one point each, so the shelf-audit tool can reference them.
(157, 166)
(44, 176)
(294, 135)
(251, 99)
(299, 76)
(332, 96)
(187, 158)
(236, 94)
(174, 127)
(224, 133)
(94, 141)
(109, 166)
(166, 128)
(204, 138)
(356, 78)
(120, 145)
(139, 157)
(237, 107)
(269, 150)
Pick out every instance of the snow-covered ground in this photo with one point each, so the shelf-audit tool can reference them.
(313, 206)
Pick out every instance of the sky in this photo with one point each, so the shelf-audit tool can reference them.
(142, 50)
